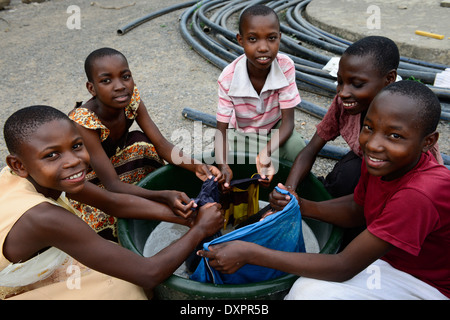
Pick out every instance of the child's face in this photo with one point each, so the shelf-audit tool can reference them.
(112, 83)
(260, 39)
(392, 138)
(55, 159)
(358, 82)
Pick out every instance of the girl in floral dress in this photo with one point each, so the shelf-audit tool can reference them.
(120, 158)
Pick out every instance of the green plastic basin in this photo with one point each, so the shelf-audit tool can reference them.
(133, 233)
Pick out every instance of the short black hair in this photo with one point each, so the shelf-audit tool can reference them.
(427, 103)
(384, 52)
(256, 10)
(96, 54)
(23, 123)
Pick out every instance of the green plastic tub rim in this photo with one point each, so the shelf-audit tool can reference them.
(176, 287)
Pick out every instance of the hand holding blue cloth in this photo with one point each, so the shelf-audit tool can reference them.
(279, 231)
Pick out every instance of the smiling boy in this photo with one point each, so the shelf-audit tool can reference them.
(367, 66)
(257, 94)
(402, 199)
(40, 231)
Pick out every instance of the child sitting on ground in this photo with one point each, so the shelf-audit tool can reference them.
(39, 231)
(365, 68)
(119, 157)
(257, 94)
(402, 198)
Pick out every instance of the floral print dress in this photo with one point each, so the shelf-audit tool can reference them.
(132, 155)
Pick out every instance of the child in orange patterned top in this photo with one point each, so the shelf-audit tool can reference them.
(119, 157)
(40, 234)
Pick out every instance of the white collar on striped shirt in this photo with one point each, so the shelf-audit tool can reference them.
(242, 87)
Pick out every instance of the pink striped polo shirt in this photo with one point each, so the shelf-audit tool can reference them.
(241, 106)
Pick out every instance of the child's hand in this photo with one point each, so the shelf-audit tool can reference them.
(180, 203)
(204, 172)
(226, 176)
(209, 219)
(226, 257)
(278, 200)
(268, 213)
(265, 168)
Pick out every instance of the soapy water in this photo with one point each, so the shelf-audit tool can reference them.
(166, 233)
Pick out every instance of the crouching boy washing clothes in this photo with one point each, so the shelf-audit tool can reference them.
(403, 200)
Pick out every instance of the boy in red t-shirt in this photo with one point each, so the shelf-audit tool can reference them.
(401, 198)
(366, 67)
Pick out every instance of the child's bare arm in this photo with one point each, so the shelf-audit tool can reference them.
(286, 128)
(221, 153)
(178, 201)
(168, 151)
(343, 211)
(301, 167)
(304, 161)
(278, 138)
(48, 225)
(281, 135)
(359, 254)
(123, 205)
(99, 159)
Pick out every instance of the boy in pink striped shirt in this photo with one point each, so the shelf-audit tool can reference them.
(257, 94)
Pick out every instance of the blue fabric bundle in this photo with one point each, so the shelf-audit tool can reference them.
(279, 231)
(208, 193)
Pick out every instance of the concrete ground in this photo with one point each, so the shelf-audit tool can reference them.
(397, 20)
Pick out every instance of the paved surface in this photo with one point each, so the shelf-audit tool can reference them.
(395, 19)
(41, 62)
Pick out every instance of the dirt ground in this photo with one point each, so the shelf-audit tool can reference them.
(41, 62)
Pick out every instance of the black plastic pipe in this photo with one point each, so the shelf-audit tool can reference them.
(150, 16)
(218, 62)
(307, 53)
(328, 151)
(220, 47)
